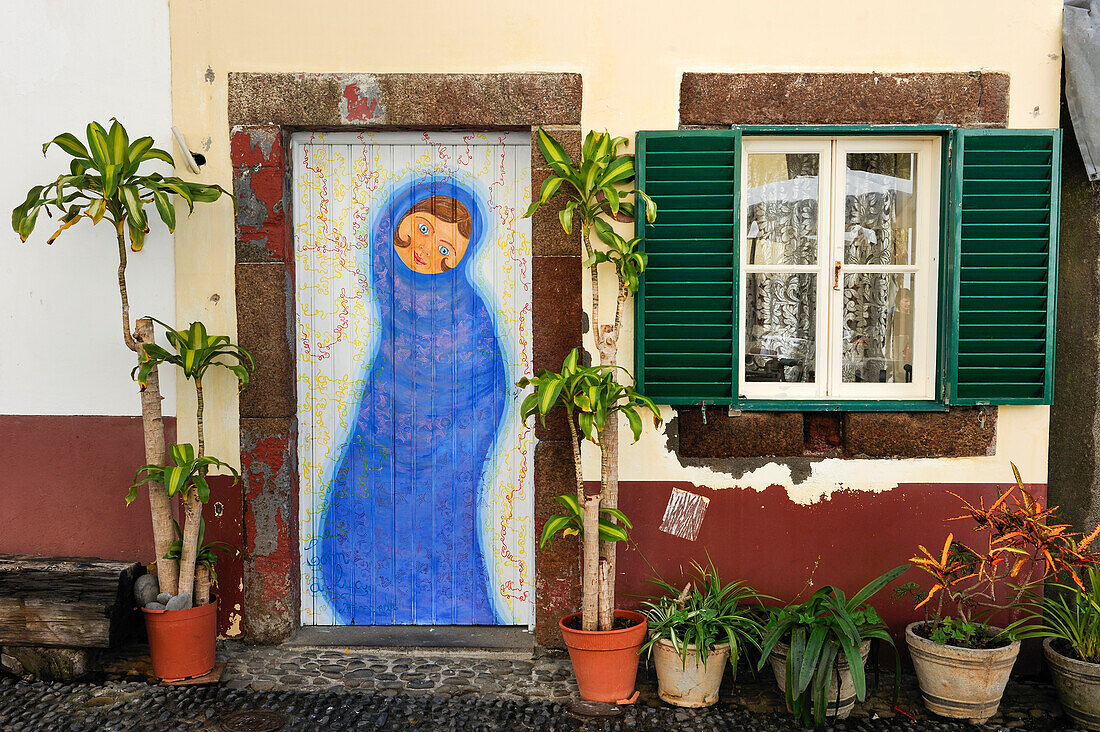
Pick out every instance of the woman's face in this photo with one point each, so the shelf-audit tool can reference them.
(434, 246)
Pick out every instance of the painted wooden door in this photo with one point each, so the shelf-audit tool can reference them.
(413, 323)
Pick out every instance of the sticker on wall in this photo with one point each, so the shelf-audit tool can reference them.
(684, 514)
(413, 305)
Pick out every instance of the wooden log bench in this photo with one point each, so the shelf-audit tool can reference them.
(74, 603)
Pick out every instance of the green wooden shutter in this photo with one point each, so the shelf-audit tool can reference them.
(686, 310)
(1005, 269)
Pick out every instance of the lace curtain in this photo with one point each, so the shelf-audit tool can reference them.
(781, 322)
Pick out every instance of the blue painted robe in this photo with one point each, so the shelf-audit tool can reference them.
(403, 525)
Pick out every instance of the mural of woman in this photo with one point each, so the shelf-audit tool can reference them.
(403, 526)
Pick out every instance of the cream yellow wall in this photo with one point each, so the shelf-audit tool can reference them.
(631, 65)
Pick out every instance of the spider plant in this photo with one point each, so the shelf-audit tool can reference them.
(1071, 615)
(705, 614)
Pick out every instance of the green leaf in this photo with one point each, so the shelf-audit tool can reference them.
(553, 525)
(111, 175)
(553, 153)
(612, 532)
(158, 154)
(548, 394)
(131, 199)
(202, 487)
(635, 423)
(69, 143)
(565, 216)
(549, 187)
(165, 208)
(182, 453)
(571, 503)
(136, 152)
(117, 143)
(650, 206)
(97, 144)
(874, 586)
(619, 170)
(619, 515)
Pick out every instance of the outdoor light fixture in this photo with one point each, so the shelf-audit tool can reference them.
(190, 159)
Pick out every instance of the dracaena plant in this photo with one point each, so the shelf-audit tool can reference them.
(596, 189)
(1024, 545)
(196, 352)
(186, 478)
(589, 396)
(108, 179)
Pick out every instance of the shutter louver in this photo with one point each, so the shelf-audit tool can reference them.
(1005, 265)
(686, 340)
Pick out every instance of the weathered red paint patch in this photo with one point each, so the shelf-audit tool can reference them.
(257, 145)
(270, 521)
(224, 516)
(360, 107)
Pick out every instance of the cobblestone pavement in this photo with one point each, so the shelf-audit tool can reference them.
(370, 689)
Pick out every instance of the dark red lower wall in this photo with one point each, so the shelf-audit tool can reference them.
(63, 484)
(777, 546)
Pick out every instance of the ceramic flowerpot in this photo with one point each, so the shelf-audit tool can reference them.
(181, 642)
(961, 683)
(1078, 684)
(839, 706)
(605, 662)
(690, 684)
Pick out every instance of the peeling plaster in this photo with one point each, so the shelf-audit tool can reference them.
(1021, 438)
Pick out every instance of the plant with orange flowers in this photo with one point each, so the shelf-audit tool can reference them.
(1024, 546)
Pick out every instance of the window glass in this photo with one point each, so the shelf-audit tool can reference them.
(878, 328)
(780, 327)
(879, 208)
(781, 199)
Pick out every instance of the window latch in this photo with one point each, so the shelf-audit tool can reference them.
(836, 275)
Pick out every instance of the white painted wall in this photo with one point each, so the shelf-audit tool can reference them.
(62, 64)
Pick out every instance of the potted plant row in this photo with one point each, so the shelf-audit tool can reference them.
(106, 181)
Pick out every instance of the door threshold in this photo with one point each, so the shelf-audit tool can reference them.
(470, 637)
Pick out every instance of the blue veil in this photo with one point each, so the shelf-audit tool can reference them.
(401, 539)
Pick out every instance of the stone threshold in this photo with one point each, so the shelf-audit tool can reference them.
(408, 637)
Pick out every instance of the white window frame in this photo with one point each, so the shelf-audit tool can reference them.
(832, 151)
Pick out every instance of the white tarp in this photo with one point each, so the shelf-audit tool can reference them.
(1081, 46)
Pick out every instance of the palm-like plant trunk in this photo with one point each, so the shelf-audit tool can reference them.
(160, 505)
(152, 422)
(590, 578)
(192, 508)
(202, 585)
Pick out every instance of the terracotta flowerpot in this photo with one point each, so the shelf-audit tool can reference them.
(961, 683)
(1078, 684)
(181, 642)
(690, 684)
(837, 707)
(605, 662)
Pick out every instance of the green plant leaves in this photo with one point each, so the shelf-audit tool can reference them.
(195, 352)
(186, 473)
(105, 182)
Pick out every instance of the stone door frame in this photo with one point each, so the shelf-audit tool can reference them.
(264, 110)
